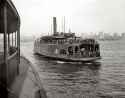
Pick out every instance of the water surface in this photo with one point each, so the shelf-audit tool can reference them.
(103, 79)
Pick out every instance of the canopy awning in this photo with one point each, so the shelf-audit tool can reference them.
(13, 19)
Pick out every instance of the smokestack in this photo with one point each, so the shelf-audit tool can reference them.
(54, 26)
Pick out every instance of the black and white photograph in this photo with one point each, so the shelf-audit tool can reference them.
(62, 48)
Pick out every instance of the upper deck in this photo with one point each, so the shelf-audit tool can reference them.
(64, 40)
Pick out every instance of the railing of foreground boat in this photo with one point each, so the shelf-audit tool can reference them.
(41, 90)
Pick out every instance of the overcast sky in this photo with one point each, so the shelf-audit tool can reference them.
(80, 15)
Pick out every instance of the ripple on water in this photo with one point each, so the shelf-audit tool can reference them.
(75, 80)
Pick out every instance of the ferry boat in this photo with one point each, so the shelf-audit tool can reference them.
(67, 47)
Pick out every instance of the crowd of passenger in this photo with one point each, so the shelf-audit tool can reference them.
(80, 52)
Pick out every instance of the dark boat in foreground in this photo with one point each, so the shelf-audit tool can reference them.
(67, 47)
(15, 75)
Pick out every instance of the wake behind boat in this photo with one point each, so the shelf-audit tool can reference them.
(67, 47)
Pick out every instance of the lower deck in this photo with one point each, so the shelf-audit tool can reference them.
(69, 58)
(68, 52)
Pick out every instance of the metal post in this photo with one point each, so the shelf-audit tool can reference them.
(12, 39)
(19, 43)
(8, 42)
(94, 50)
(64, 24)
(5, 34)
(15, 39)
(18, 47)
(5, 69)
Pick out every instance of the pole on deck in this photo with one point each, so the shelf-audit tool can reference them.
(5, 47)
(8, 42)
(12, 39)
(15, 39)
(18, 48)
(5, 33)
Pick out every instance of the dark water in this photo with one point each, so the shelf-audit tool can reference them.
(103, 79)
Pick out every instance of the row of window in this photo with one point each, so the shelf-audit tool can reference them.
(11, 42)
(67, 40)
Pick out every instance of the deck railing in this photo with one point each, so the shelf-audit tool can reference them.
(10, 71)
(12, 67)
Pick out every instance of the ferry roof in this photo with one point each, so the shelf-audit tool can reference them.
(13, 19)
(52, 37)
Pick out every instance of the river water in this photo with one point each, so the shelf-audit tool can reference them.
(103, 79)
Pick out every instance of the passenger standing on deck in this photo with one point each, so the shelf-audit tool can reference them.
(83, 51)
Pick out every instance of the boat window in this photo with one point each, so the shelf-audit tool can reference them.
(1, 43)
(96, 47)
(92, 47)
(83, 46)
(57, 41)
(60, 41)
(12, 42)
(53, 41)
(70, 50)
(1, 48)
(62, 51)
(41, 40)
(76, 49)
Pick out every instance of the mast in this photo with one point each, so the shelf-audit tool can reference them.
(64, 24)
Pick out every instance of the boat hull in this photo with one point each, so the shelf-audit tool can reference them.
(53, 51)
(92, 59)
